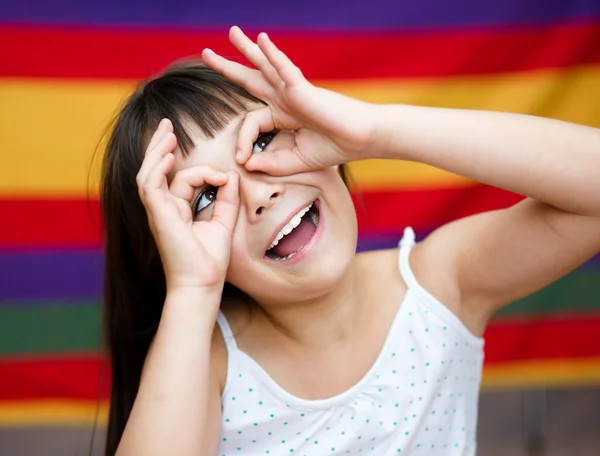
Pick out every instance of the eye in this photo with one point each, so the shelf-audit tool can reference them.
(263, 141)
(204, 199)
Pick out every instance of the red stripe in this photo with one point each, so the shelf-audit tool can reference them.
(73, 223)
(540, 338)
(127, 53)
(54, 377)
(72, 377)
(76, 223)
(382, 212)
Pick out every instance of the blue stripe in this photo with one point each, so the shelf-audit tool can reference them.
(307, 15)
(27, 278)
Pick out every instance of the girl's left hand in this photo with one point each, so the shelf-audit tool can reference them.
(330, 128)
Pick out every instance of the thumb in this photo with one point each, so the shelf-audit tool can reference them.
(281, 162)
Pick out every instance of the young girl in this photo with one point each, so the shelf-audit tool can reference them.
(240, 319)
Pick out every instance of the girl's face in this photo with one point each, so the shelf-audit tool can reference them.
(305, 263)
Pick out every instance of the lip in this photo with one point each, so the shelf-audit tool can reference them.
(304, 250)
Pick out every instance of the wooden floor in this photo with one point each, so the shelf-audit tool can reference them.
(511, 423)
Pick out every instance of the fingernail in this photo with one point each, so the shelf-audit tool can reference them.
(219, 175)
(239, 155)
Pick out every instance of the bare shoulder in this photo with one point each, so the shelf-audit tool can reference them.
(433, 261)
(218, 357)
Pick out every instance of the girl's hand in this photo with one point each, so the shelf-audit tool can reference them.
(330, 128)
(193, 253)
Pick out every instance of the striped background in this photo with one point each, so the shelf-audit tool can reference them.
(66, 66)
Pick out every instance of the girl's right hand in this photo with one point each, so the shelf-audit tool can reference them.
(193, 253)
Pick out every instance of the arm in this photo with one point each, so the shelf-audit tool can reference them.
(492, 259)
(473, 265)
(177, 409)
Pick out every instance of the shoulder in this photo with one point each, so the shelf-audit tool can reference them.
(218, 358)
(433, 262)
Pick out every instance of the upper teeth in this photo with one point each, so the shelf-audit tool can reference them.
(289, 226)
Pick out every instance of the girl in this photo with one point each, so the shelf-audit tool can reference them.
(240, 319)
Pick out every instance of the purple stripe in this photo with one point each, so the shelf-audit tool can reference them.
(69, 276)
(306, 15)
(50, 275)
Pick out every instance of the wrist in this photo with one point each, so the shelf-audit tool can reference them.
(194, 299)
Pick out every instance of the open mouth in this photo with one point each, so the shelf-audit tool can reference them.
(295, 234)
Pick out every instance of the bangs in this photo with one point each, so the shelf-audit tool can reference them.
(191, 95)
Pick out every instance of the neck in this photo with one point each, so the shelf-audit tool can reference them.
(330, 317)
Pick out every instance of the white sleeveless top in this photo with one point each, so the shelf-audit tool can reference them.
(420, 397)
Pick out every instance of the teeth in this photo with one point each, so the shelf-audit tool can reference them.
(287, 229)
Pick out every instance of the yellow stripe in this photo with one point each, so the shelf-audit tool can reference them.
(50, 128)
(542, 373)
(517, 374)
(51, 412)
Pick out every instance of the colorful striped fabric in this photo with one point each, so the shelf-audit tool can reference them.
(66, 66)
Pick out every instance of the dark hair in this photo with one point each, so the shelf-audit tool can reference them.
(134, 284)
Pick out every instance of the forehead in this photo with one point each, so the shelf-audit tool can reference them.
(207, 150)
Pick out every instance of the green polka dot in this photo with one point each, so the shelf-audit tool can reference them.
(302, 414)
(406, 433)
(227, 420)
(250, 389)
(316, 442)
(283, 441)
(343, 432)
(239, 432)
(224, 439)
(397, 405)
(255, 424)
(245, 411)
(233, 398)
(272, 416)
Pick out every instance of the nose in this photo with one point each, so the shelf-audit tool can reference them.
(259, 192)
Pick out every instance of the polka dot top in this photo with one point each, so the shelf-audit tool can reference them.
(419, 398)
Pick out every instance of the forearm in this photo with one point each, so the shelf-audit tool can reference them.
(171, 408)
(555, 162)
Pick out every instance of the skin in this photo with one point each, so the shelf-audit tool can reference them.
(331, 312)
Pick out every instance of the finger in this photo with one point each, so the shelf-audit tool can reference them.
(246, 77)
(227, 205)
(281, 162)
(255, 122)
(286, 70)
(156, 179)
(186, 181)
(164, 146)
(254, 54)
(165, 126)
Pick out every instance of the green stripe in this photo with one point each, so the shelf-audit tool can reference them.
(71, 326)
(577, 292)
(49, 329)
